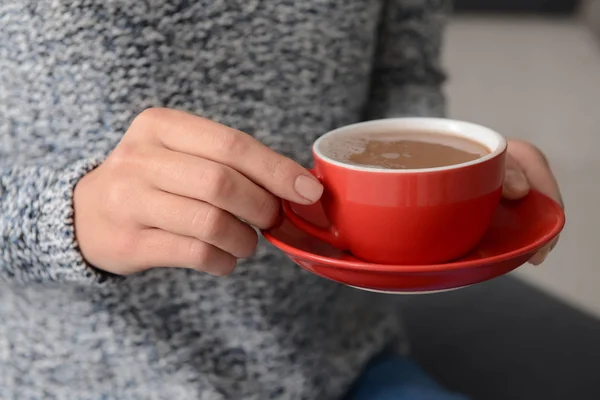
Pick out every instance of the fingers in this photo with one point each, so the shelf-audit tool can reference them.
(187, 217)
(515, 185)
(214, 183)
(539, 257)
(174, 192)
(536, 168)
(166, 249)
(185, 133)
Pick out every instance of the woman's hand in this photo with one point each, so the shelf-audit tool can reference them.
(183, 191)
(527, 168)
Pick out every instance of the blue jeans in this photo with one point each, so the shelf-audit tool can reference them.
(390, 377)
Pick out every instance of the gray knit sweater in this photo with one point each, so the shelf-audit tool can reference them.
(73, 75)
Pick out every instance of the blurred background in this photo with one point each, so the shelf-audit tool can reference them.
(529, 69)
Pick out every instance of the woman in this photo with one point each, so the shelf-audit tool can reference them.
(98, 187)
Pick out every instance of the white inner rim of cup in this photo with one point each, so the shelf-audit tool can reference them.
(495, 143)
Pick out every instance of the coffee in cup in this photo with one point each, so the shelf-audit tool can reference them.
(402, 149)
(408, 191)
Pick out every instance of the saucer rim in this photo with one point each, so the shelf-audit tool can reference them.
(408, 292)
(454, 265)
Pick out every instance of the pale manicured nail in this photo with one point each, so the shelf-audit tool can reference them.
(546, 253)
(540, 257)
(308, 188)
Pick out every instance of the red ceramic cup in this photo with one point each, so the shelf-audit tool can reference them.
(410, 217)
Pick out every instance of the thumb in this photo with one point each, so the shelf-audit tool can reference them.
(516, 184)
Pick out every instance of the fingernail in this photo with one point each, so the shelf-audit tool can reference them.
(546, 253)
(308, 188)
(540, 257)
(516, 181)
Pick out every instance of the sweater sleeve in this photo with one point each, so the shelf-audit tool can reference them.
(37, 238)
(407, 73)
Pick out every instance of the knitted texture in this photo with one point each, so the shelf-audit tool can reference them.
(73, 75)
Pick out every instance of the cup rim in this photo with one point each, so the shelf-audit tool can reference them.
(441, 125)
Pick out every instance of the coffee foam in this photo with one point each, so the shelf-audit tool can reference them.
(341, 147)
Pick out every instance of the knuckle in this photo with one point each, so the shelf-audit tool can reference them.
(198, 220)
(527, 147)
(529, 150)
(268, 211)
(145, 123)
(213, 224)
(531, 147)
(199, 254)
(218, 183)
(521, 143)
(280, 168)
(129, 156)
(231, 142)
(149, 116)
(123, 155)
(117, 196)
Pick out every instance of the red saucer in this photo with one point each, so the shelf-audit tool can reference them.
(518, 230)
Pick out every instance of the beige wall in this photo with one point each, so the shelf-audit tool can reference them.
(538, 79)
